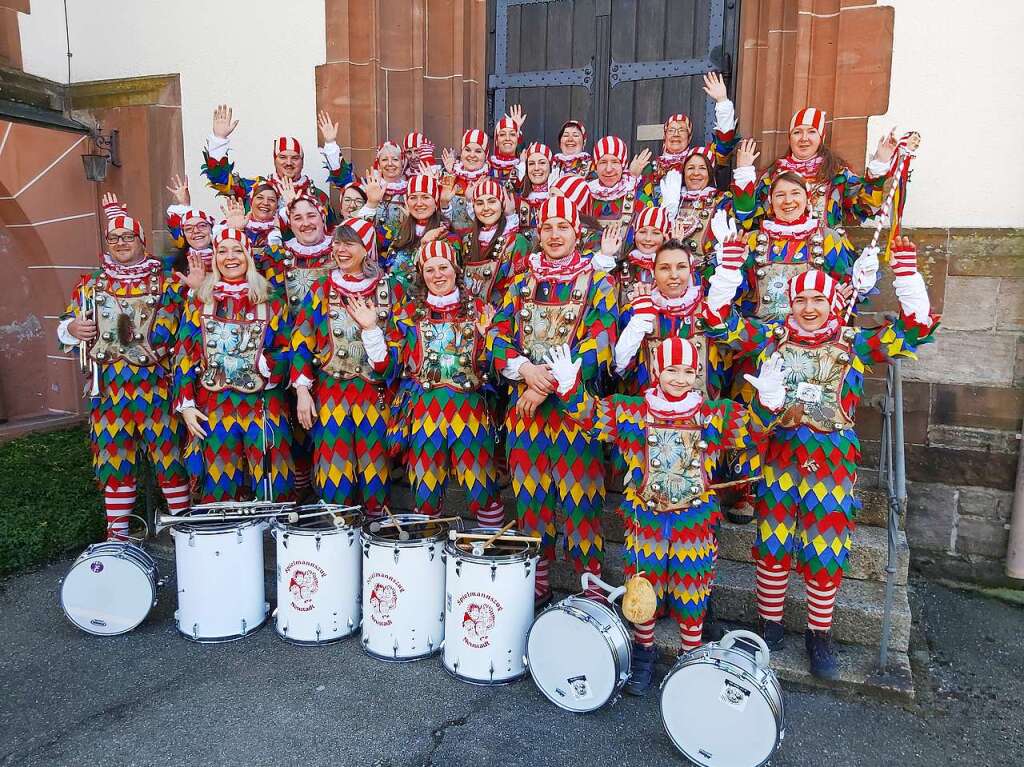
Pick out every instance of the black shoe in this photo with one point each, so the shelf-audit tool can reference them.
(740, 514)
(641, 675)
(824, 663)
(712, 630)
(539, 603)
(772, 633)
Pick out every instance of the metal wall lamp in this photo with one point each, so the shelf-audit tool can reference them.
(108, 153)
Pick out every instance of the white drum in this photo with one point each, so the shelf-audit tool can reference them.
(221, 591)
(318, 584)
(403, 588)
(579, 651)
(110, 588)
(488, 609)
(717, 691)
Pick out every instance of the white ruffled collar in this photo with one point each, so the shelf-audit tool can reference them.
(443, 302)
(348, 284)
(663, 408)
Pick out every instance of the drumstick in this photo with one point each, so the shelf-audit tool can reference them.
(402, 535)
(478, 548)
(456, 535)
(735, 482)
(376, 526)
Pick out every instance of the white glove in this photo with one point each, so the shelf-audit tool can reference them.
(630, 339)
(671, 187)
(521, 170)
(602, 262)
(725, 116)
(770, 382)
(723, 226)
(913, 296)
(744, 175)
(865, 270)
(554, 175)
(563, 367)
(375, 345)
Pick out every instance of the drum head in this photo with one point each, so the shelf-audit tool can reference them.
(106, 595)
(717, 719)
(571, 661)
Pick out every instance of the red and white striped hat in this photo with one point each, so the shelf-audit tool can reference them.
(612, 145)
(366, 231)
(129, 223)
(286, 144)
(307, 199)
(676, 351)
(413, 140)
(679, 117)
(487, 185)
(425, 184)
(538, 148)
(238, 235)
(575, 189)
(559, 207)
(436, 249)
(707, 152)
(506, 122)
(388, 144)
(194, 216)
(815, 118)
(475, 136)
(813, 279)
(654, 216)
(573, 124)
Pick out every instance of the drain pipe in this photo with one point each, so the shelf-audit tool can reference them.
(1015, 548)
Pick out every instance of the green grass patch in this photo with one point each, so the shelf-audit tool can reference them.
(49, 504)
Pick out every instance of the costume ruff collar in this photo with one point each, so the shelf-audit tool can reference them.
(796, 230)
(321, 248)
(350, 285)
(688, 195)
(229, 289)
(621, 187)
(131, 272)
(558, 271)
(644, 260)
(684, 306)
(443, 303)
(824, 334)
(808, 168)
(468, 175)
(568, 159)
(497, 161)
(660, 406)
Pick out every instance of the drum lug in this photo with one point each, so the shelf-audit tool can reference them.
(317, 539)
(191, 538)
(195, 631)
(278, 569)
(284, 539)
(430, 550)
(351, 625)
(458, 568)
(397, 552)
(351, 537)
(366, 549)
(491, 670)
(243, 627)
(394, 647)
(366, 641)
(318, 633)
(238, 537)
(494, 573)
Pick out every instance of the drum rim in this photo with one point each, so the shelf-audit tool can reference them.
(134, 552)
(313, 642)
(224, 639)
(376, 539)
(703, 655)
(152, 575)
(294, 529)
(619, 681)
(452, 548)
(218, 528)
(478, 683)
(777, 711)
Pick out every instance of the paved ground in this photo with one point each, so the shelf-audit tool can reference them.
(152, 698)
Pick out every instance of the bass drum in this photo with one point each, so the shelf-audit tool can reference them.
(110, 588)
(579, 650)
(721, 704)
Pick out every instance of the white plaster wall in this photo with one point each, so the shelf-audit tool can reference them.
(257, 55)
(956, 74)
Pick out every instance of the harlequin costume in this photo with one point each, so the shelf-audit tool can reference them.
(459, 209)
(419, 154)
(388, 215)
(489, 258)
(532, 196)
(846, 198)
(262, 234)
(638, 266)
(222, 178)
(180, 216)
(671, 446)
(233, 362)
(577, 191)
(553, 463)
(347, 371)
(441, 349)
(578, 163)
(504, 167)
(618, 202)
(137, 311)
(805, 504)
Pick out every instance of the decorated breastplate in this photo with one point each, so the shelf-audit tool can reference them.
(299, 279)
(630, 276)
(818, 193)
(124, 323)
(773, 274)
(449, 355)
(345, 357)
(479, 276)
(232, 349)
(544, 325)
(700, 342)
(814, 382)
(625, 213)
(674, 466)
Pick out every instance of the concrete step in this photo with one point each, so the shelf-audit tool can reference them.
(858, 666)
(868, 555)
(858, 612)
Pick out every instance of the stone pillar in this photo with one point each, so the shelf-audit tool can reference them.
(832, 54)
(399, 65)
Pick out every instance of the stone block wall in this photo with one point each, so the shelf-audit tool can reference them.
(963, 401)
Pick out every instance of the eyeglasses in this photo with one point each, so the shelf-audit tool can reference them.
(676, 132)
(196, 227)
(127, 239)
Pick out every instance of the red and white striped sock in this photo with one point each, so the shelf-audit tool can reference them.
(820, 602)
(178, 498)
(772, 582)
(302, 477)
(491, 516)
(643, 633)
(118, 499)
(690, 634)
(542, 586)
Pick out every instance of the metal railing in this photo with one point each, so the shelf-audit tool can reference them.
(892, 477)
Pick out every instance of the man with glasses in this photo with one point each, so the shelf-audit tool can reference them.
(126, 313)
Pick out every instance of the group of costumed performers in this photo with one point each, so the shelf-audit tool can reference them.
(513, 311)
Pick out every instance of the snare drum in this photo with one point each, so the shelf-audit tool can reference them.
(488, 609)
(717, 691)
(579, 651)
(221, 590)
(403, 588)
(318, 565)
(110, 588)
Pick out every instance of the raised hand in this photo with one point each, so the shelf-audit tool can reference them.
(563, 367)
(770, 382)
(373, 186)
(679, 229)
(913, 142)
(447, 189)
(224, 123)
(448, 159)
(723, 226)
(434, 234)
(886, 147)
(865, 269)
(611, 239)
(483, 322)
(639, 162)
(196, 271)
(363, 311)
(518, 115)
(109, 199)
(288, 193)
(179, 190)
(714, 86)
(234, 213)
(734, 251)
(328, 128)
(83, 330)
(746, 153)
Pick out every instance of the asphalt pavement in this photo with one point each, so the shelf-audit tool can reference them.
(152, 698)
